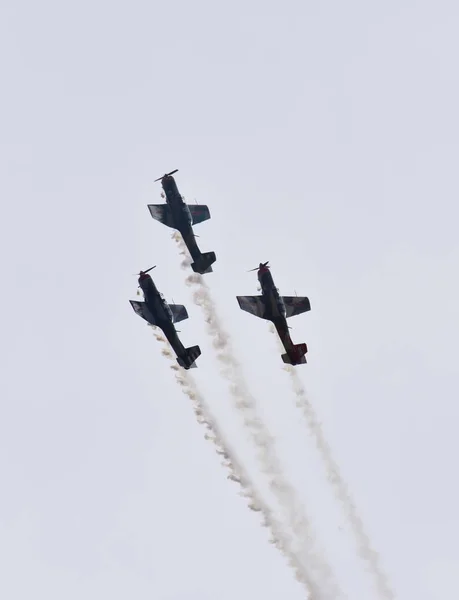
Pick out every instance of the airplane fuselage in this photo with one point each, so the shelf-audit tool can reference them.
(179, 208)
(181, 214)
(275, 307)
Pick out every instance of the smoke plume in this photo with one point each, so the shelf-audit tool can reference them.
(236, 472)
(364, 547)
(315, 569)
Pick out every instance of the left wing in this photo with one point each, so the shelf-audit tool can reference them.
(254, 305)
(179, 312)
(295, 305)
(199, 212)
(143, 311)
(162, 213)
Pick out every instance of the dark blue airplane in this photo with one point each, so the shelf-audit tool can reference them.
(181, 216)
(277, 309)
(156, 311)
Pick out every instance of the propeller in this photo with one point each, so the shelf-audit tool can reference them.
(143, 272)
(166, 175)
(261, 265)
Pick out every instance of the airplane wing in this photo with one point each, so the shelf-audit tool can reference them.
(254, 305)
(295, 305)
(143, 311)
(162, 213)
(179, 312)
(199, 212)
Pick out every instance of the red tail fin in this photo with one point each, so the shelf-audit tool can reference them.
(296, 356)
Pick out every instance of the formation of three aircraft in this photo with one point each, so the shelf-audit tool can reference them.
(180, 216)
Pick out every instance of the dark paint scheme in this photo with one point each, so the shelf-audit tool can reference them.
(277, 309)
(156, 311)
(181, 216)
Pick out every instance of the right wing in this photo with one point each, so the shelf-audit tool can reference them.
(199, 212)
(162, 213)
(143, 311)
(254, 305)
(296, 305)
(179, 312)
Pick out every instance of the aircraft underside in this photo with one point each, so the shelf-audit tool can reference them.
(186, 357)
(202, 260)
(176, 214)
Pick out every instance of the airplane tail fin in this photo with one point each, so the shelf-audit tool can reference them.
(296, 356)
(202, 264)
(187, 361)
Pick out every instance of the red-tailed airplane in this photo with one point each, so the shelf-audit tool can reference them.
(277, 309)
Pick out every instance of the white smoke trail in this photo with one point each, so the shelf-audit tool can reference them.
(186, 262)
(334, 476)
(315, 569)
(365, 549)
(236, 472)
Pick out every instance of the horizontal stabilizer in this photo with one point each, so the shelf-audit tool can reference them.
(179, 312)
(255, 305)
(187, 361)
(296, 356)
(199, 212)
(143, 311)
(202, 264)
(295, 305)
(162, 213)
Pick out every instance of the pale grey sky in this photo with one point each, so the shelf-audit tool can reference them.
(324, 138)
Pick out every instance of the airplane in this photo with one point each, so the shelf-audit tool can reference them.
(181, 216)
(277, 309)
(156, 311)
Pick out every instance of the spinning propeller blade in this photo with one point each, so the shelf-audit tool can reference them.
(166, 175)
(143, 272)
(261, 265)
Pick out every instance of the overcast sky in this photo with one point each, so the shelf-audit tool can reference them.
(324, 138)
